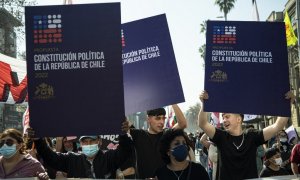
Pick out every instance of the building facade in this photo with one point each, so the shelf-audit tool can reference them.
(293, 56)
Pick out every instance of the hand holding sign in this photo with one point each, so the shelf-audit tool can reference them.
(290, 95)
(203, 96)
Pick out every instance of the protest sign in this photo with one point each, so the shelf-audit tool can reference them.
(246, 68)
(151, 77)
(74, 66)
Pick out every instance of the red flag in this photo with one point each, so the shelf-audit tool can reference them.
(171, 119)
(26, 120)
(215, 119)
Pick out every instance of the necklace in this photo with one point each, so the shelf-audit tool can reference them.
(238, 147)
(178, 177)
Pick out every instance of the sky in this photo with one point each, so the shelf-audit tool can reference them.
(184, 19)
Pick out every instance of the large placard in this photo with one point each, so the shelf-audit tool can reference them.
(246, 68)
(74, 65)
(151, 77)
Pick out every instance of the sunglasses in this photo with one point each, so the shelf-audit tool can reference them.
(8, 142)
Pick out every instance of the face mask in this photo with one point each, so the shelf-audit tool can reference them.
(278, 161)
(180, 152)
(8, 151)
(283, 139)
(69, 149)
(90, 150)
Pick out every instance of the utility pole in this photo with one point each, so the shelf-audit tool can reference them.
(294, 65)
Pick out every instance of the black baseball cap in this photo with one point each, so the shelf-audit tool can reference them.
(156, 112)
(271, 152)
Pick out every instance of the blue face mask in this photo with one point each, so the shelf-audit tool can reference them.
(180, 152)
(8, 151)
(90, 150)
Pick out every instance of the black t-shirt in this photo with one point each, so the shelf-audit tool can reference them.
(267, 172)
(197, 172)
(148, 156)
(236, 164)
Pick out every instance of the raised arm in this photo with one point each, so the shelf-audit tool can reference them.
(204, 141)
(124, 151)
(59, 144)
(203, 123)
(181, 121)
(273, 129)
(58, 161)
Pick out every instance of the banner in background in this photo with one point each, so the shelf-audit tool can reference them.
(26, 120)
(171, 117)
(74, 66)
(151, 78)
(246, 68)
(13, 80)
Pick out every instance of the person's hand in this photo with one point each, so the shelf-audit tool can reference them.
(125, 126)
(42, 176)
(203, 96)
(30, 134)
(290, 95)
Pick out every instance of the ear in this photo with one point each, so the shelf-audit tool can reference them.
(169, 153)
(239, 118)
(148, 119)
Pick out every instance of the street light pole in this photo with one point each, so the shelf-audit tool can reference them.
(297, 74)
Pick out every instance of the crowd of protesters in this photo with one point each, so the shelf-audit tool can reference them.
(233, 151)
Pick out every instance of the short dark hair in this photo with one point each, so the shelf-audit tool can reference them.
(156, 112)
(165, 142)
(242, 116)
(283, 131)
(271, 152)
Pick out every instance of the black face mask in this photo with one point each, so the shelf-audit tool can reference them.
(180, 152)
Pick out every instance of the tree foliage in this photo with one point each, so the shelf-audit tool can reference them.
(17, 9)
(225, 6)
(192, 117)
(203, 47)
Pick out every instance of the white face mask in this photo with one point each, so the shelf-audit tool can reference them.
(278, 161)
(283, 139)
(90, 150)
(8, 151)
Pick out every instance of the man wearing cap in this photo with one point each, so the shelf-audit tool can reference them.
(146, 142)
(238, 148)
(91, 162)
(273, 164)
